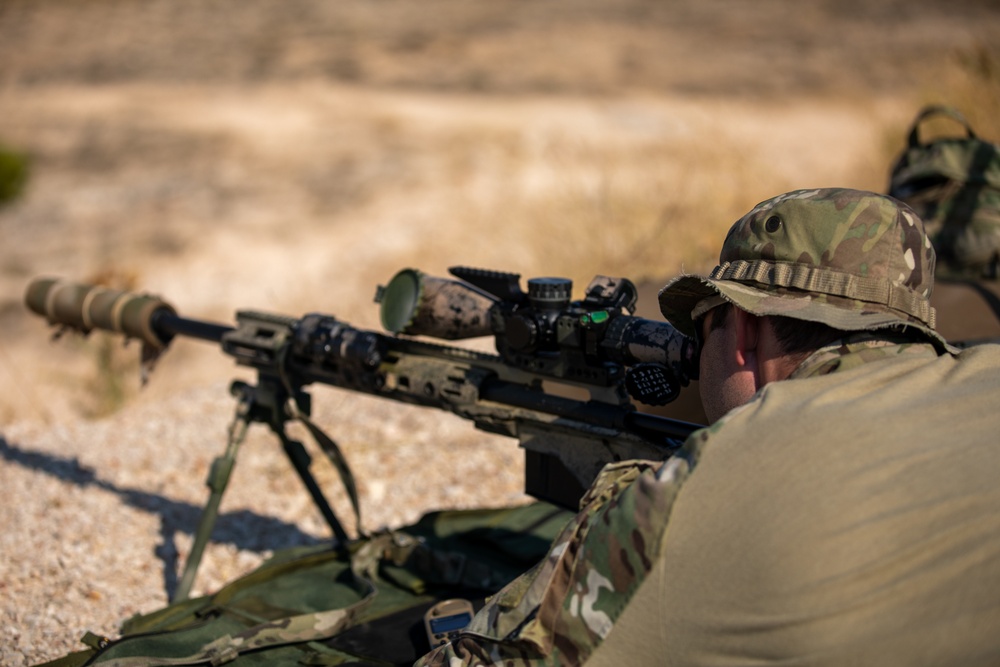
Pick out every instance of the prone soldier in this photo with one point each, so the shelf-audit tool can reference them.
(842, 506)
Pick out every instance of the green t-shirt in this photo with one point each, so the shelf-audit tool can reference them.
(847, 515)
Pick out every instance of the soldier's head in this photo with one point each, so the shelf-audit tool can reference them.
(822, 262)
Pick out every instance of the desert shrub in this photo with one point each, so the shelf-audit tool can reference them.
(13, 174)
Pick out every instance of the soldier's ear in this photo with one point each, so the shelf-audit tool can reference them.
(747, 336)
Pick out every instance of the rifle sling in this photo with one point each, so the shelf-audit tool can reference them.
(326, 443)
(314, 626)
(337, 458)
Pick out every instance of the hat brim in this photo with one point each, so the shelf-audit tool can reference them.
(680, 296)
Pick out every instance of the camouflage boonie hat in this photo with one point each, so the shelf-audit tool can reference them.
(850, 259)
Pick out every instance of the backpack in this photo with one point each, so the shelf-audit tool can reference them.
(953, 184)
(362, 605)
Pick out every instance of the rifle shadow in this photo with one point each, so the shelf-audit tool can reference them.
(243, 529)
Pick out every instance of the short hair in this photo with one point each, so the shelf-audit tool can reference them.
(802, 337)
(796, 337)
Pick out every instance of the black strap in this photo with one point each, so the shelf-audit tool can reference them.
(329, 447)
(337, 458)
(938, 110)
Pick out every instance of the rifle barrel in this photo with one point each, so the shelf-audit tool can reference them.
(86, 307)
(168, 324)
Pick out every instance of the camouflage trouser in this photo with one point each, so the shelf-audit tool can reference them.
(560, 611)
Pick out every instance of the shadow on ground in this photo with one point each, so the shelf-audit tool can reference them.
(244, 529)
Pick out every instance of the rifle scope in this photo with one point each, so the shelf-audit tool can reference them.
(541, 322)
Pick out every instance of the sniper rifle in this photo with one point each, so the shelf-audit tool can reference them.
(561, 382)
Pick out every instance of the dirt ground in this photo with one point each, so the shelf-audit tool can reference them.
(291, 155)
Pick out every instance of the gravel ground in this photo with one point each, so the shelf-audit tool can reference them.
(293, 154)
(99, 515)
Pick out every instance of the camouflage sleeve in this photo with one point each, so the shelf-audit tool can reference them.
(561, 610)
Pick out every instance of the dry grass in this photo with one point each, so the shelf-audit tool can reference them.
(972, 84)
(323, 149)
(968, 79)
(298, 198)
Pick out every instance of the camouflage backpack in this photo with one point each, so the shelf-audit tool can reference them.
(953, 183)
(317, 605)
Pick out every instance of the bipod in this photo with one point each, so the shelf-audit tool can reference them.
(269, 402)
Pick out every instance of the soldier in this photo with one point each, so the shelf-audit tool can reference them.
(842, 508)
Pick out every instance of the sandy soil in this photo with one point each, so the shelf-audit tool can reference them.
(290, 156)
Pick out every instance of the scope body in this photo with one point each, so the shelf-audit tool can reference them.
(593, 341)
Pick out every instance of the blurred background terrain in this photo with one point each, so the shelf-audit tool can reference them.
(290, 155)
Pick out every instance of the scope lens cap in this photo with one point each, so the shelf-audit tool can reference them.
(399, 300)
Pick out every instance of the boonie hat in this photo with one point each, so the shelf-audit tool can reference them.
(850, 259)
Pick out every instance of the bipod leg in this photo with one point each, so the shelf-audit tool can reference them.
(218, 479)
(301, 461)
(276, 402)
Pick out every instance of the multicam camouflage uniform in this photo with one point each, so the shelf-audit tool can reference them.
(560, 611)
(847, 515)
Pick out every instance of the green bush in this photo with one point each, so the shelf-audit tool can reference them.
(13, 174)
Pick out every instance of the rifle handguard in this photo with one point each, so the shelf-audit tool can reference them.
(87, 307)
